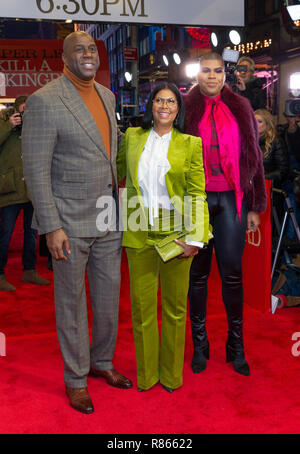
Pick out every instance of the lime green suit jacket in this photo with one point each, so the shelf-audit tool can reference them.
(185, 183)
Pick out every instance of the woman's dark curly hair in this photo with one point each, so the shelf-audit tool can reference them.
(179, 122)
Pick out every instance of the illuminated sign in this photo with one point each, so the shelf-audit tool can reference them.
(189, 12)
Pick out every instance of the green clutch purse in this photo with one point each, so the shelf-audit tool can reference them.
(167, 249)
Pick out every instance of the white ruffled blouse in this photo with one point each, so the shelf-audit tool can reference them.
(153, 166)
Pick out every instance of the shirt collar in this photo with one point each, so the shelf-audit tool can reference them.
(164, 137)
(211, 100)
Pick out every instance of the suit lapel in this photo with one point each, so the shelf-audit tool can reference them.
(176, 157)
(111, 115)
(73, 101)
(136, 150)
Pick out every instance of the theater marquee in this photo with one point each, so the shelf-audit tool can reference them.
(182, 12)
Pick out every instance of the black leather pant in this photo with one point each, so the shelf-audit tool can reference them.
(229, 241)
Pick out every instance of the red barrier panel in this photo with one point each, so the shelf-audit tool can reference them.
(257, 261)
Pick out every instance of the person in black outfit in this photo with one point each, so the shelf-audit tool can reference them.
(290, 133)
(236, 194)
(275, 156)
(249, 86)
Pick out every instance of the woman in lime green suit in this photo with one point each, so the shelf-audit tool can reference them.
(164, 193)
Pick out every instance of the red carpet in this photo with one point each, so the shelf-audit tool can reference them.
(32, 399)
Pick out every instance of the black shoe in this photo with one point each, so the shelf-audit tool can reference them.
(199, 359)
(237, 357)
(170, 390)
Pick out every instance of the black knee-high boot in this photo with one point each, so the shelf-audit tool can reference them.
(235, 352)
(197, 299)
(233, 301)
(201, 345)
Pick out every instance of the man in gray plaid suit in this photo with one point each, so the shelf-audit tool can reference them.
(69, 141)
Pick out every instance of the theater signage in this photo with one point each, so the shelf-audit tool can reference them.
(182, 12)
(27, 65)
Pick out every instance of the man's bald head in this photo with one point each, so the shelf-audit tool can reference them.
(80, 55)
(73, 36)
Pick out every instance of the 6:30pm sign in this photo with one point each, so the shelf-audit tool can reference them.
(190, 12)
(93, 7)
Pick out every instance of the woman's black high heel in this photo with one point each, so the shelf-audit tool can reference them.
(199, 359)
(170, 390)
(236, 355)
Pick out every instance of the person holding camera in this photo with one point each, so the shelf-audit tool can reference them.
(249, 86)
(14, 196)
(290, 133)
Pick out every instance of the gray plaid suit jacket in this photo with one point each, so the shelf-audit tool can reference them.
(66, 167)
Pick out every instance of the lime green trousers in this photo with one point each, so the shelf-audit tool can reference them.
(158, 358)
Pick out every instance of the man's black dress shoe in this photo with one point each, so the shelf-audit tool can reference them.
(112, 377)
